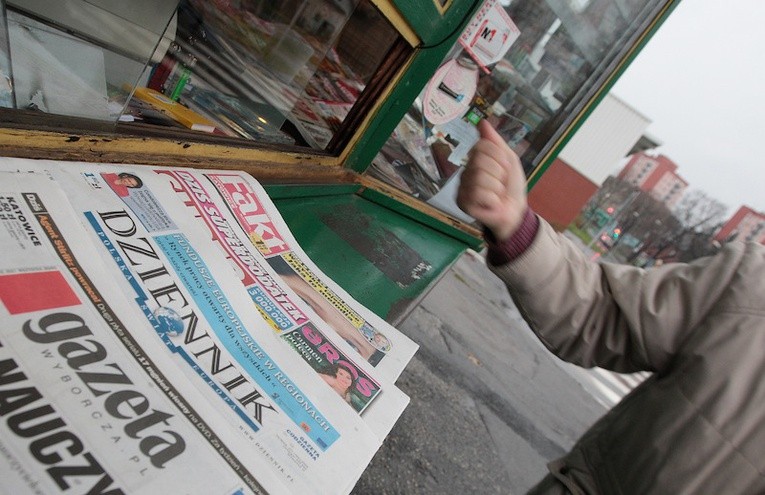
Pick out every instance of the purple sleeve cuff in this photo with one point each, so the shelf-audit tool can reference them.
(501, 253)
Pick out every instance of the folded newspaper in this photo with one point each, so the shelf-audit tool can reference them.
(191, 281)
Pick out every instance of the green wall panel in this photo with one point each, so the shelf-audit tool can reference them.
(384, 260)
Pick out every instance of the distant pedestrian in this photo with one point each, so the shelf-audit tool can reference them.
(698, 424)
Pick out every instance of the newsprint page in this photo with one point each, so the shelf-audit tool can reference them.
(177, 298)
(88, 404)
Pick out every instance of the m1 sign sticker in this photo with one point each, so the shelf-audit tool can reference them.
(489, 35)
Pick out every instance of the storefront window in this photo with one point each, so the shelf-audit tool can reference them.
(78, 58)
(562, 54)
(284, 73)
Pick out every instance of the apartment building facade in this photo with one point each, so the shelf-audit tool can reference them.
(656, 175)
(745, 225)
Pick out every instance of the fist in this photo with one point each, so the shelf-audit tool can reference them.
(493, 186)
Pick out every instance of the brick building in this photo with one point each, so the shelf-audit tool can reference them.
(587, 159)
(656, 175)
(745, 225)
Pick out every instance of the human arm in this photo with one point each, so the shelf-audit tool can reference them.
(493, 186)
(617, 317)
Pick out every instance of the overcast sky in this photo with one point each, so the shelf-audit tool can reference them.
(701, 82)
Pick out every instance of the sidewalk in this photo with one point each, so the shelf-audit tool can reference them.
(490, 406)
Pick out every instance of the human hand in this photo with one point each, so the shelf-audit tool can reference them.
(493, 186)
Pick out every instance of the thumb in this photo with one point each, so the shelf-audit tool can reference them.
(488, 132)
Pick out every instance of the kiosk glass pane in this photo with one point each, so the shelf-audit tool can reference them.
(563, 55)
(275, 73)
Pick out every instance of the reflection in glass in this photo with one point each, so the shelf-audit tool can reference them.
(274, 72)
(81, 58)
(565, 51)
(7, 98)
(285, 72)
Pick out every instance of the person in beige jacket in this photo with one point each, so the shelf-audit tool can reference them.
(697, 425)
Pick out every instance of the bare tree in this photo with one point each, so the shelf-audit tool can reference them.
(699, 216)
(699, 211)
(654, 230)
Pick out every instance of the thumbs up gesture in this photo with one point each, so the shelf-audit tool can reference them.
(493, 186)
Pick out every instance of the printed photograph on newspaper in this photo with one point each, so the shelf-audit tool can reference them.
(200, 312)
(86, 404)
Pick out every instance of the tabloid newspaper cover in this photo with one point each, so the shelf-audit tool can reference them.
(372, 337)
(201, 314)
(86, 406)
(305, 312)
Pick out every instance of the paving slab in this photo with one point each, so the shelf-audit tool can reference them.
(490, 406)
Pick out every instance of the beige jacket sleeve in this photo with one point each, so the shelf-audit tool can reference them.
(617, 317)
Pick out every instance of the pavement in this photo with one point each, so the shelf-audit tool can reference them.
(490, 406)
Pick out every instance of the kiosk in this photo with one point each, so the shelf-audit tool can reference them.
(325, 102)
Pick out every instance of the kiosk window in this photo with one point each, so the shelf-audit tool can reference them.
(563, 55)
(278, 73)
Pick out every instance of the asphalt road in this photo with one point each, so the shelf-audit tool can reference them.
(489, 405)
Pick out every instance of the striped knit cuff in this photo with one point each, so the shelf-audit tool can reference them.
(501, 253)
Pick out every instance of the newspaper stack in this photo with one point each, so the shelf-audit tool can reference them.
(163, 332)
